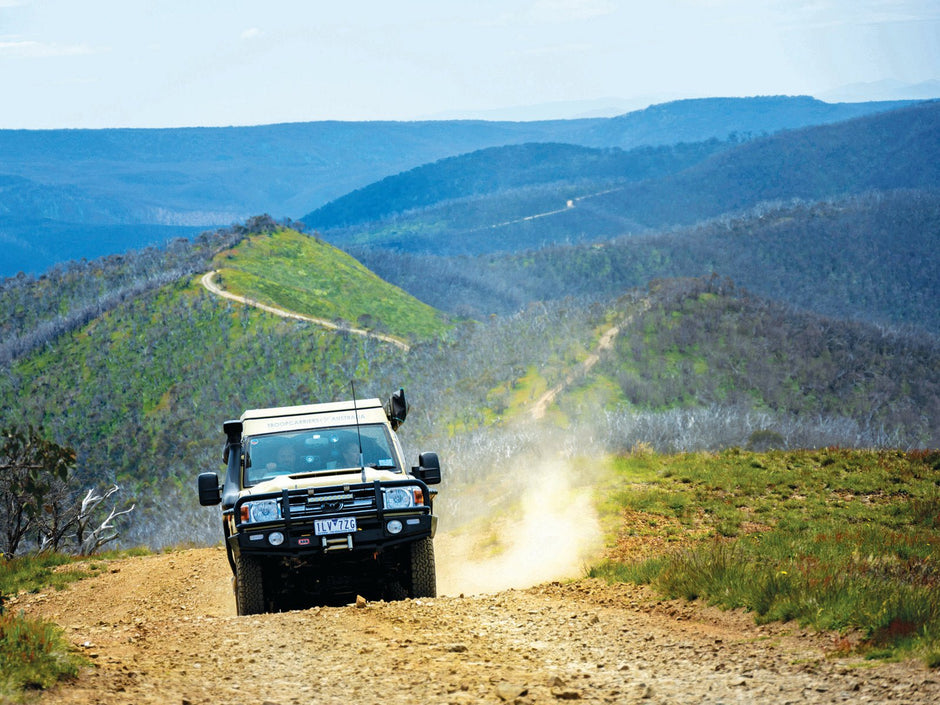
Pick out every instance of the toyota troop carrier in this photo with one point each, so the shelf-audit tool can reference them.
(317, 506)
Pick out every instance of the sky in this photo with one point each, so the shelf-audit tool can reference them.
(171, 63)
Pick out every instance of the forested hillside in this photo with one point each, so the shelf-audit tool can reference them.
(34, 311)
(696, 364)
(141, 389)
(498, 169)
(872, 257)
(702, 343)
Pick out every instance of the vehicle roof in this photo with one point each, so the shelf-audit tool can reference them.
(288, 418)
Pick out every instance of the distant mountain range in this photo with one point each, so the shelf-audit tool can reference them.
(515, 198)
(70, 194)
(883, 90)
(841, 219)
(611, 106)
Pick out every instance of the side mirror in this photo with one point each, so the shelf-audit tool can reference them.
(209, 491)
(429, 469)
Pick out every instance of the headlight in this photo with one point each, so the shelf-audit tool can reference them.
(262, 510)
(403, 497)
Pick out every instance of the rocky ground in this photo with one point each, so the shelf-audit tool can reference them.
(162, 629)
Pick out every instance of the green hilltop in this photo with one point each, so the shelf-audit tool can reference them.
(287, 270)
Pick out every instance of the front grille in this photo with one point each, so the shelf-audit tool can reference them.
(330, 500)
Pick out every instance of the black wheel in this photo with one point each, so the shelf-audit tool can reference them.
(249, 585)
(423, 572)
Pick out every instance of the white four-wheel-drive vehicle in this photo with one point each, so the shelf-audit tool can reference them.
(318, 505)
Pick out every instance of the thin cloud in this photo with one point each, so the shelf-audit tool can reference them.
(251, 33)
(570, 49)
(28, 49)
(826, 15)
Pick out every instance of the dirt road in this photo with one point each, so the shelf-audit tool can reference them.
(604, 344)
(162, 629)
(209, 283)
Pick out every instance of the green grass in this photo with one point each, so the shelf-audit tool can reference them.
(33, 572)
(835, 539)
(33, 653)
(305, 275)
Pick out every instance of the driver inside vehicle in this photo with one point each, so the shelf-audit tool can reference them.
(350, 454)
(344, 452)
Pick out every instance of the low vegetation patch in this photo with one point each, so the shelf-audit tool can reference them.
(33, 653)
(833, 539)
(35, 571)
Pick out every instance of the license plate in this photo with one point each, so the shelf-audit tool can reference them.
(342, 525)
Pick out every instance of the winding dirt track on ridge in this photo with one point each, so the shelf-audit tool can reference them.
(569, 204)
(208, 281)
(161, 629)
(606, 342)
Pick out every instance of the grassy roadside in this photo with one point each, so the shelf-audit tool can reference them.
(833, 539)
(33, 653)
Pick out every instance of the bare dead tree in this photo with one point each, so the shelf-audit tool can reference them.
(91, 539)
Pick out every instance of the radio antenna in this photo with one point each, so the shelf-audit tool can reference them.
(352, 384)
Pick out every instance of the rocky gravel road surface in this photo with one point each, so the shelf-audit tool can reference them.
(162, 629)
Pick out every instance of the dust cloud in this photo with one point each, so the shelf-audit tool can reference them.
(547, 529)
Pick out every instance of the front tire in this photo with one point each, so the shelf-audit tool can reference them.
(249, 585)
(423, 571)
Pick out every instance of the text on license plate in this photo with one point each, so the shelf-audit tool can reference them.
(341, 525)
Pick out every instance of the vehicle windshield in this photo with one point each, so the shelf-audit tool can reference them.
(317, 450)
